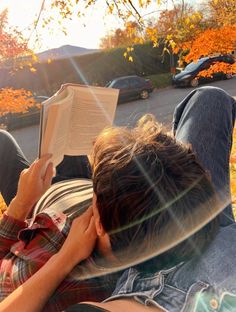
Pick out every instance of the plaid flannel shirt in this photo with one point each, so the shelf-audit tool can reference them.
(26, 247)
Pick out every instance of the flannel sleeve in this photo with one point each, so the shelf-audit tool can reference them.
(9, 229)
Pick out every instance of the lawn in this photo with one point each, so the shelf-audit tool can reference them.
(160, 80)
(232, 169)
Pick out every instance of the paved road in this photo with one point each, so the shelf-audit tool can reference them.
(161, 103)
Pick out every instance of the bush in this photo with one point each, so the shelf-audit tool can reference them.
(96, 68)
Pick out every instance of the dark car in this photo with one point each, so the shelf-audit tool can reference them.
(187, 77)
(131, 87)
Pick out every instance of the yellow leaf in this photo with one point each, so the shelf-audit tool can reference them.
(187, 20)
(32, 69)
(34, 58)
(125, 54)
(131, 59)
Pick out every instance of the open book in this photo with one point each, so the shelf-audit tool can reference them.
(73, 117)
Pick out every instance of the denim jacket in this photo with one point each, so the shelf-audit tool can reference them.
(203, 284)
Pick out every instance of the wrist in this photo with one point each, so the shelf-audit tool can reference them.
(18, 209)
(65, 262)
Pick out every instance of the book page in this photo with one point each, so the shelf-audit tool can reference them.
(93, 109)
(55, 128)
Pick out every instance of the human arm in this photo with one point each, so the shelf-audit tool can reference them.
(77, 247)
(32, 184)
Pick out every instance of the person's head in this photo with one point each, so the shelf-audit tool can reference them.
(148, 188)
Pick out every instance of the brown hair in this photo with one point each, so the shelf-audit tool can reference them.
(146, 183)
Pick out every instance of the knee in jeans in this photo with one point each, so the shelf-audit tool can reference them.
(214, 94)
(6, 140)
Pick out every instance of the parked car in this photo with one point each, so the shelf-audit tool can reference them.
(131, 87)
(187, 77)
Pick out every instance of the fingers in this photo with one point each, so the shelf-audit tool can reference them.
(38, 166)
(48, 175)
(91, 228)
(84, 220)
(39, 170)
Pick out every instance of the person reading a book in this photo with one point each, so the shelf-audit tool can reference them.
(150, 195)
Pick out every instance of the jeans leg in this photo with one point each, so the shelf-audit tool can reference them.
(205, 119)
(12, 162)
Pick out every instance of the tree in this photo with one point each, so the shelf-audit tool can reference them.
(221, 12)
(213, 42)
(192, 36)
(124, 9)
(127, 36)
(218, 39)
(12, 42)
(210, 42)
(179, 25)
(13, 46)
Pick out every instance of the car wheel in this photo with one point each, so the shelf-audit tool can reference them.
(194, 83)
(228, 76)
(144, 95)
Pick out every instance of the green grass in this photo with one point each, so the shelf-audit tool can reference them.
(160, 80)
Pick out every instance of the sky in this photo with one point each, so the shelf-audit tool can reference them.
(84, 32)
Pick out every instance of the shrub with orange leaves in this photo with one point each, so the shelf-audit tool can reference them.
(12, 42)
(218, 67)
(211, 41)
(15, 101)
(233, 168)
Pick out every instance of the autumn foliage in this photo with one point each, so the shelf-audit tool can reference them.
(15, 101)
(12, 46)
(12, 42)
(218, 67)
(233, 168)
(211, 41)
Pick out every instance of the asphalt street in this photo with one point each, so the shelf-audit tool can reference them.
(161, 103)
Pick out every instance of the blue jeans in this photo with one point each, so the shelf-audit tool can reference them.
(205, 119)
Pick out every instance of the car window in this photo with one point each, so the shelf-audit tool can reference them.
(135, 82)
(228, 59)
(207, 64)
(121, 84)
(195, 65)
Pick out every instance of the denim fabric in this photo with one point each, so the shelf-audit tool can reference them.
(12, 162)
(206, 283)
(205, 119)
